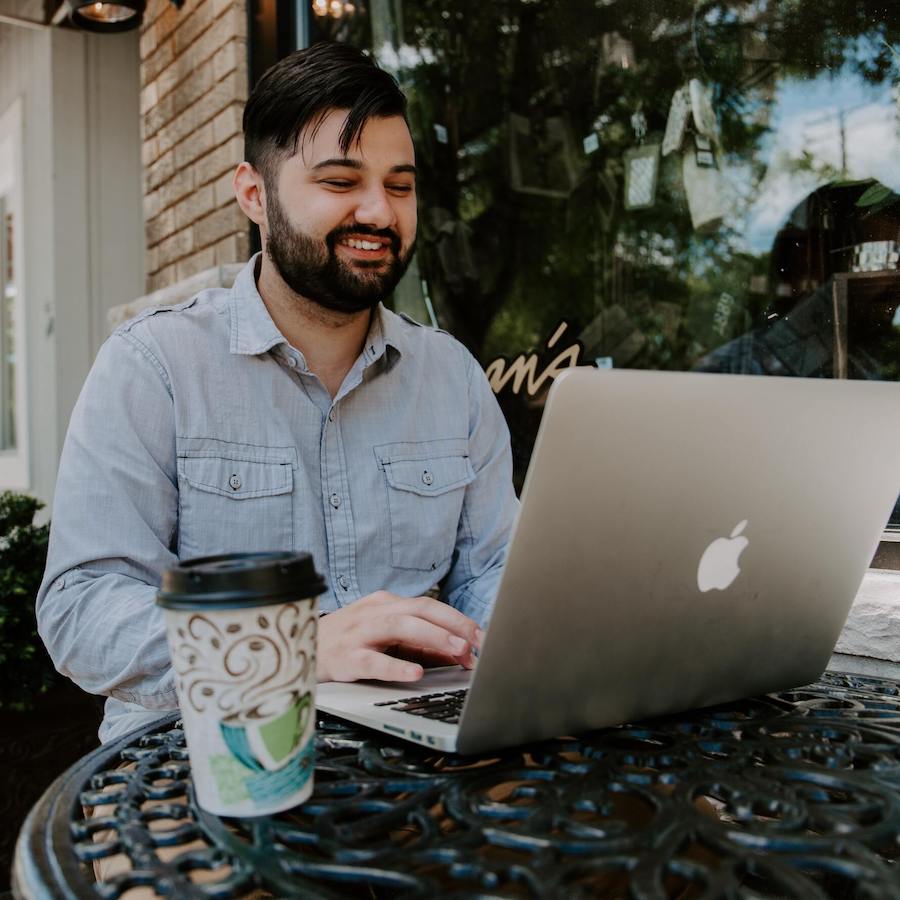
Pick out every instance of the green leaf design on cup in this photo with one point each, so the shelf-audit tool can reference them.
(266, 736)
(282, 735)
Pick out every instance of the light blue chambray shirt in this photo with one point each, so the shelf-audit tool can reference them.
(200, 430)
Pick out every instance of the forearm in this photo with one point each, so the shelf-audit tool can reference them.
(112, 533)
(489, 509)
(474, 594)
(104, 631)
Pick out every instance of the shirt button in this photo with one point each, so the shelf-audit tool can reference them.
(427, 478)
(235, 482)
(335, 500)
(344, 582)
(292, 362)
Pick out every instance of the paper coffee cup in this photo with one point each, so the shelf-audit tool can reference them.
(242, 637)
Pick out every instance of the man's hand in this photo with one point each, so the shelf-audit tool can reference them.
(355, 642)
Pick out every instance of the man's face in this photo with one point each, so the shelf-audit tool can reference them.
(342, 227)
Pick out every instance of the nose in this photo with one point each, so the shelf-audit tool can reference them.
(375, 209)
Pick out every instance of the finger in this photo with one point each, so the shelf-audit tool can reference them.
(428, 658)
(441, 614)
(381, 667)
(436, 611)
(384, 631)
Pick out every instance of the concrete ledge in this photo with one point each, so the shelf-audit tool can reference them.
(872, 630)
(217, 276)
(864, 665)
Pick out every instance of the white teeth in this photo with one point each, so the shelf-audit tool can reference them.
(363, 245)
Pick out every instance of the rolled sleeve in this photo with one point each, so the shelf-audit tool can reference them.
(113, 531)
(489, 508)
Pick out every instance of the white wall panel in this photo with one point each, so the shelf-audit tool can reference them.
(83, 217)
(25, 66)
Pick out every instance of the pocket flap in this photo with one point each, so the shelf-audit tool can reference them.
(239, 479)
(429, 477)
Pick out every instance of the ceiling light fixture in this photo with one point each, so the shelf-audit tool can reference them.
(99, 15)
(108, 16)
(334, 9)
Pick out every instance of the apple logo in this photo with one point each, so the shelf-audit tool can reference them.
(719, 564)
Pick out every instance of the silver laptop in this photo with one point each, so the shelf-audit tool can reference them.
(684, 539)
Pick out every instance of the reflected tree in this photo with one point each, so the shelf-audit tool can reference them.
(525, 112)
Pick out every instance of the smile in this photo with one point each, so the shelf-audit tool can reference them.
(366, 249)
(363, 245)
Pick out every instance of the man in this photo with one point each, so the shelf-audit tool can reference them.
(292, 411)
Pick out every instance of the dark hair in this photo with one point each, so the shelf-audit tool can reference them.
(302, 87)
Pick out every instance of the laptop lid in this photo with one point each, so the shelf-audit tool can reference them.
(604, 614)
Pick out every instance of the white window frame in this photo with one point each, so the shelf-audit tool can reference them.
(14, 464)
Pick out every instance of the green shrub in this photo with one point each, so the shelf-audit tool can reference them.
(25, 668)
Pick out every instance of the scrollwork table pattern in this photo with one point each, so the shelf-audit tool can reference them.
(792, 795)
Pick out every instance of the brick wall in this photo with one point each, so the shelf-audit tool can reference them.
(193, 89)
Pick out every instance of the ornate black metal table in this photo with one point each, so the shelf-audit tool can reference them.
(794, 795)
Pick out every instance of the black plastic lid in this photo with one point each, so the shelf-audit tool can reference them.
(237, 580)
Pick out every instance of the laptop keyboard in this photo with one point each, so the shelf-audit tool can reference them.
(444, 707)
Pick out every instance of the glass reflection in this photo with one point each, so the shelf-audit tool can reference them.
(685, 185)
(8, 299)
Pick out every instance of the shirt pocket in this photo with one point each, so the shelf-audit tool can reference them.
(235, 501)
(425, 483)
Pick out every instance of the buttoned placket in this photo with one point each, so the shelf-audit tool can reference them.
(340, 533)
(335, 534)
(339, 528)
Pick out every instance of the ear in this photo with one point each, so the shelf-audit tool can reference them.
(250, 192)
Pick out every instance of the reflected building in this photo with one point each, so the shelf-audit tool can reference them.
(832, 310)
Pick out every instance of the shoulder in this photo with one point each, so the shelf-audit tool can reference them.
(173, 338)
(195, 314)
(433, 346)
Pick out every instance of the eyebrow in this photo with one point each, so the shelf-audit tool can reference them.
(356, 164)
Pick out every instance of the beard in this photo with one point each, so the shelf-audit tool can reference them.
(311, 268)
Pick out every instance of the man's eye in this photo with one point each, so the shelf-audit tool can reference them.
(400, 188)
(337, 182)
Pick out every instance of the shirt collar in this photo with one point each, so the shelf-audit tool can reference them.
(385, 333)
(253, 332)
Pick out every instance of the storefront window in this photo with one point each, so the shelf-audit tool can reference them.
(635, 183)
(14, 471)
(8, 297)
